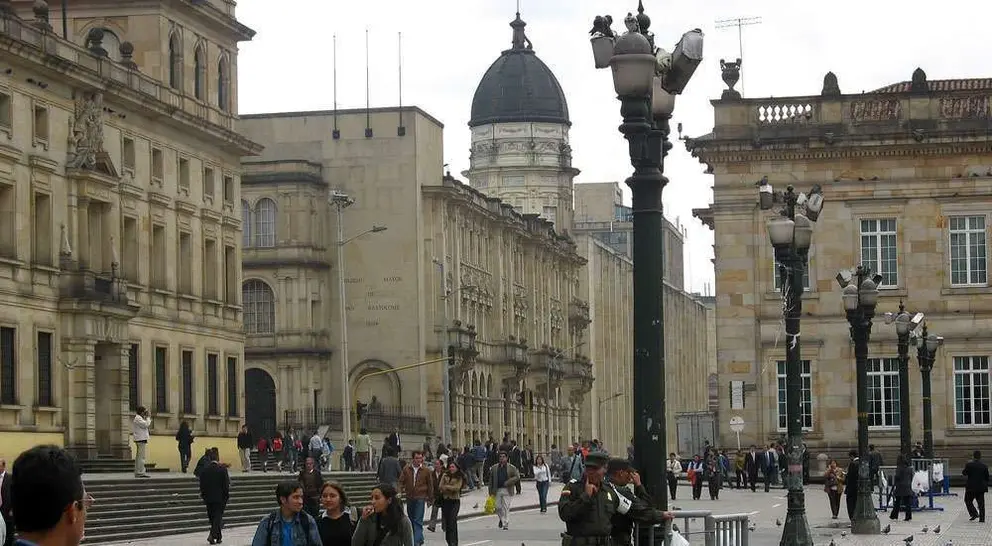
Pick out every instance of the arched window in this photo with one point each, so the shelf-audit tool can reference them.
(111, 43)
(247, 225)
(259, 306)
(200, 73)
(223, 84)
(265, 223)
(175, 61)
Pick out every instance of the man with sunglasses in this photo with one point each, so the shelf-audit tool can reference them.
(48, 500)
(621, 474)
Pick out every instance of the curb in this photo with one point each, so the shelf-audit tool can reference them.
(522, 508)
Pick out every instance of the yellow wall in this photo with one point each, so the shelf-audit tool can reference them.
(162, 451)
(13, 444)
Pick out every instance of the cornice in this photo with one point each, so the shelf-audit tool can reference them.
(267, 263)
(723, 153)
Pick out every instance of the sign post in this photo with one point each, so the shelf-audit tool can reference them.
(737, 425)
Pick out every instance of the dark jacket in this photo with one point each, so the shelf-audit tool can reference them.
(751, 462)
(244, 440)
(200, 465)
(851, 481)
(587, 516)
(389, 470)
(903, 486)
(639, 511)
(977, 474)
(215, 484)
(5, 496)
(184, 437)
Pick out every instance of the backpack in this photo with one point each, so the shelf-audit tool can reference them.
(304, 522)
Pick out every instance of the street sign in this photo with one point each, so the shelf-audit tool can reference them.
(737, 424)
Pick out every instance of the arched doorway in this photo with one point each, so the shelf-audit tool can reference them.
(260, 403)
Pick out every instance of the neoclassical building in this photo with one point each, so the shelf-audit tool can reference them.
(119, 227)
(906, 170)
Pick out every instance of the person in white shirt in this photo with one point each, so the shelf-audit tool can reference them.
(542, 476)
(139, 429)
(672, 471)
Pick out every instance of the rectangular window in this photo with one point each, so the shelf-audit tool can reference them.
(6, 111)
(42, 230)
(8, 215)
(129, 249)
(134, 377)
(158, 259)
(210, 269)
(209, 180)
(515, 180)
(158, 166)
(184, 175)
(230, 275)
(878, 249)
(128, 156)
(40, 124)
(971, 391)
(229, 189)
(161, 380)
(45, 393)
(806, 400)
(777, 281)
(883, 392)
(185, 266)
(968, 254)
(187, 366)
(212, 387)
(8, 366)
(232, 386)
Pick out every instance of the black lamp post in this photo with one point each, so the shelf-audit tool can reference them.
(791, 234)
(926, 353)
(646, 80)
(860, 298)
(904, 325)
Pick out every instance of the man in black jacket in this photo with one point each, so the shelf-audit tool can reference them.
(751, 466)
(215, 490)
(977, 484)
(5, 506)
(637, 503)
(851, 483)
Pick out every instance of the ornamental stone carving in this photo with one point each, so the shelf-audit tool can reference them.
(86, 134)
(965, 107)
(876, 110)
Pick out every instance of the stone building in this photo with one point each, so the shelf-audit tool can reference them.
(905, 170)
(119, 234)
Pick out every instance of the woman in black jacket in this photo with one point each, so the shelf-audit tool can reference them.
(184, 439)
(335, 523)
(902, 492)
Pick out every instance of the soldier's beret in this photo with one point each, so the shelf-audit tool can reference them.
(597, 459)
(618, 465)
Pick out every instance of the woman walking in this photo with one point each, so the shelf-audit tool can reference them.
(383, 522)
(833, 484)
(450, 486)
(184, 439)
(902, 493)
(542, 476)
(335, 525)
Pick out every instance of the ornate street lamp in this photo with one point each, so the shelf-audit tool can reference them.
(646, 80)
(904, 326)
(791, 234)
(860, 298)
(926, 352)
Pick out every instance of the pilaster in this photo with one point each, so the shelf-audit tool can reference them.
(78, 356)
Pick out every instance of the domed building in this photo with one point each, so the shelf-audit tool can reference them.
(520, 152)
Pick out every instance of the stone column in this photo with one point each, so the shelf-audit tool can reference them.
(117, 362)
(80, 404)
(82, 248)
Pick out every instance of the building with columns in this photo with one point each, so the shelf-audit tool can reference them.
(906, 170)
(119, 230)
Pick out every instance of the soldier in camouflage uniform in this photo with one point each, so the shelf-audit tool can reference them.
(587, 506)
(620, 474)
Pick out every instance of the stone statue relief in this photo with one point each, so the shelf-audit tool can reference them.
(86, 134)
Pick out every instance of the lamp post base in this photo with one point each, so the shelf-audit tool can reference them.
(866, 527)
(796, 531)
(865, 519)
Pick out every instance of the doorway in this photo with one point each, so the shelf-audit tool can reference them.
(260, 403)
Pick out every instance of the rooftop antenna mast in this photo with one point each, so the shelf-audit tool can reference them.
(400, 129)
(368, 96)
(336, 134)
(740, 23)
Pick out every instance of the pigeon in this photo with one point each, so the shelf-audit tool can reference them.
(832, 543)
(936, 530)
(752, 527)
(843, 534)
(886, 530)
(601, 25)
(926, 529)
(908, 540)
(778, 522)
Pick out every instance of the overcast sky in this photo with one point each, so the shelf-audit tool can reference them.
(449, 44)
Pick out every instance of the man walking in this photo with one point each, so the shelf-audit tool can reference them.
(751, 467)
(418, 485)
(977, 484)
(48, 498)
(139, 429)
(215, 490)
(503, 480)
(363, 449)
(244, 448)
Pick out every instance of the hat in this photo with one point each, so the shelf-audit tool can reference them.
(618, 465)
(597, 459)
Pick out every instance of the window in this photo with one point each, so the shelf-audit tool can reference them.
(247, 225)
(231, 266)
(40, 124)
(513, 180)
(112, 44)
(187, 369)
(229, 190)
(209, 180)
(200, 73)
(130, 249)
(161, 380)
(158, 166)
(265, 222)
(8, 233)
(622, 213)
(133, 377)
(210, 269)
(128, 155)
(971, 391)
(212, 393)
(223, 84)
(184, 175)
(6, 111)
(777, 281)
(42, 230)
(805, 401)
(968, 255)
(232, 386)
(175, 62)
(8, 366)
(45, 394)
(883, 392)
(551, 214)
(185, 266)
(259, 307)
(878, 249)
(158, 258)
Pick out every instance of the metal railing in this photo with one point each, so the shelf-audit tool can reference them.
(379, 419)
(717, 530)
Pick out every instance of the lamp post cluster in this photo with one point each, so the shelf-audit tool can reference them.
(926, 352)
(791, 234)
(647, 79)
(461, 355)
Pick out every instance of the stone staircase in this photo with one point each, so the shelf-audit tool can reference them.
(104, 464)
(131, 509)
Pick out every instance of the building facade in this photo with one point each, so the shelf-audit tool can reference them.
(119, 234)
(905, 170)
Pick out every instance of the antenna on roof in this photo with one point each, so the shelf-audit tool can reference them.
(400, 129)
(368, 96)
(335, 134)
(740, 23)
